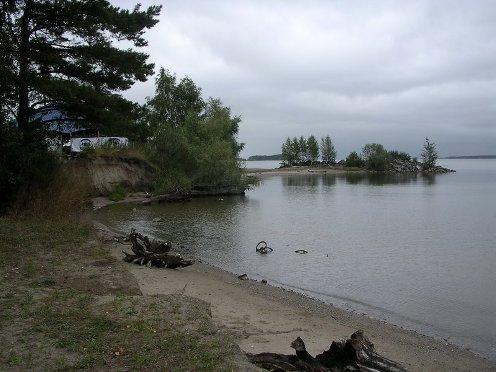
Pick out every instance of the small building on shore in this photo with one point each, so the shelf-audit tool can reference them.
(70, 135)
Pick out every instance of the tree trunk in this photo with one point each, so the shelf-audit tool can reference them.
(23, 107)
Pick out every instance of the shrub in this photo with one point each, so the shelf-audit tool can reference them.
(353, 160)
(429, 155)
(399, 155)
(24, 166)
(119, 193)
(172, 181)
(374, 156)
(192, 140)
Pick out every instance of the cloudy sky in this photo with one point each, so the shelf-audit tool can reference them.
(391, 72)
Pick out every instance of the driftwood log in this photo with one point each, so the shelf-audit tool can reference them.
(354, 354)
(153, 253)
(166, 198)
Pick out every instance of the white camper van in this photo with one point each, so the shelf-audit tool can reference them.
(76, 145)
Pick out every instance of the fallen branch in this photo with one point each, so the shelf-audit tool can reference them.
(354, 354)
(166, 198)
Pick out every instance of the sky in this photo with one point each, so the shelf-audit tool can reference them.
(391, 72)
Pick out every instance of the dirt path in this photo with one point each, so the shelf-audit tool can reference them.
(266, 318)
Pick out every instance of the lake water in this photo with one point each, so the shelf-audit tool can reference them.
(262, 164)
(418, 252)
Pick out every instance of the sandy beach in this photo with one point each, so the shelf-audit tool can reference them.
(265, 318)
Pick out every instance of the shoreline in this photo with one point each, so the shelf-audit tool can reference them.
(266, 318)
(295, 170)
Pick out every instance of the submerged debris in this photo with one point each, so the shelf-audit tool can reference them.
(301, 251)
(263, 248)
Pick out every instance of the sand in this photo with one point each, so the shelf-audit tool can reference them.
(264, 318)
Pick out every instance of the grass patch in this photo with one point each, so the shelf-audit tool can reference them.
(63, 309)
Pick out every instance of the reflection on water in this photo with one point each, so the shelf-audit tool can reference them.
(355, 178)
(417, 251)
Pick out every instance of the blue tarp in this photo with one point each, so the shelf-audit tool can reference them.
(59, 122)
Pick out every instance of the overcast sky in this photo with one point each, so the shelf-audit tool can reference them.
(391, 72)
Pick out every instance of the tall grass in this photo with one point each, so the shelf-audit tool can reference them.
(133, 150)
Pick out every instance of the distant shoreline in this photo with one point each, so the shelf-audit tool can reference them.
(276, 157)
(445, 157)
(470, 157)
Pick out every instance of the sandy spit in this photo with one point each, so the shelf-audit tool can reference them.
(265, 318)
(301, 170)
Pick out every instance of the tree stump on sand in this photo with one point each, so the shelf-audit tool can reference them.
(354, 354)
(153, 253)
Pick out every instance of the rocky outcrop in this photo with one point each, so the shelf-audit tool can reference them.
(402, 166)
(437, 170)
(413, 166)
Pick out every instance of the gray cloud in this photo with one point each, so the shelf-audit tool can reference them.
(383, 71)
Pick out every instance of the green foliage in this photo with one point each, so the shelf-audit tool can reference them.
(24, 166)
(174, 100)
(302, 150)
(398, 155)
(288, 156)
(374, 156)
(299, 151)
(312, 149)
(193, 142)
(119, 193)
(171, 181)
(353, 160)
(296, 151)
(429, 155)
(63, 53)
(327, 150)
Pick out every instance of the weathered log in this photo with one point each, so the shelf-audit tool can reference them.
(167, 198)
(153, 253)
(141, 243)
(354, 354)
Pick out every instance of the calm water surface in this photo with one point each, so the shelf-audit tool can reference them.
(418, 252)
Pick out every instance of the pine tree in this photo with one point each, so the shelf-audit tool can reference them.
(327, 150)
(312, 149)
(61, 53)
(302, 143)
(286, 152)
(429, 155)
(295, 151)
